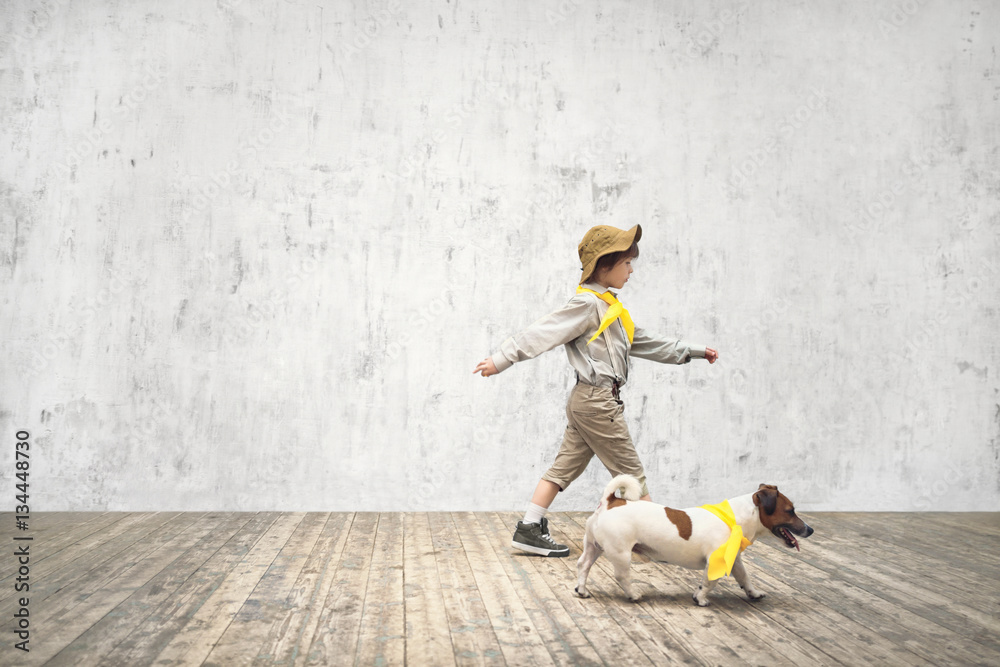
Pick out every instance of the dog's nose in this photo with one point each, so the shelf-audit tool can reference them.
(809, 530)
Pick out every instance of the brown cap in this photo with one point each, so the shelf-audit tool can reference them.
(604, 240)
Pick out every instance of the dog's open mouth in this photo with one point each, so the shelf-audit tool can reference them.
(787, 536)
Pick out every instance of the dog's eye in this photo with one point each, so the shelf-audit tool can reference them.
(792, 511)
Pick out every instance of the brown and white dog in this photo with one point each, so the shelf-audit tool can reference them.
(680, 537)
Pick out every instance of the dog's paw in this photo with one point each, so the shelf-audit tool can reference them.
(699, 598)
(584, 594)
(756, 595)
(634, 598)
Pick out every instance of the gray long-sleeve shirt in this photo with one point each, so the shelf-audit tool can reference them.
(604, 360)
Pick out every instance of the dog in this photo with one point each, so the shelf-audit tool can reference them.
(689, 538)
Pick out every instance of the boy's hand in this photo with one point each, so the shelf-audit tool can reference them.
(487, 367)
(711, 355)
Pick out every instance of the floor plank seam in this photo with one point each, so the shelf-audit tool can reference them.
(151, 577)
(317, 589)
(195, 570)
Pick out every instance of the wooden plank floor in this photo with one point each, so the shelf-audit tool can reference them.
(274, 588)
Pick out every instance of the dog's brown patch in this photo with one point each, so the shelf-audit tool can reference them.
(614, 501)
(680, 519)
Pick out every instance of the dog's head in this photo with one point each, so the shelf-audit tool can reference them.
(777, 514)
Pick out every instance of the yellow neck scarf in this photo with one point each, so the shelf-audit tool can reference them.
(615, 311)
(720, 563)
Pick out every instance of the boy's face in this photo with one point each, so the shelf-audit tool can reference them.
(617, 276)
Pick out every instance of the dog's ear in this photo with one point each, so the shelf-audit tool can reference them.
(767, 498)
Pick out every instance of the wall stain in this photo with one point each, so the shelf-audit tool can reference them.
(967, 366)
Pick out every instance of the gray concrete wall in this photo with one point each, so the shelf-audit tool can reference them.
(251, 251)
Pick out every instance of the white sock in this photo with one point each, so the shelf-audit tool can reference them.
(535, 513)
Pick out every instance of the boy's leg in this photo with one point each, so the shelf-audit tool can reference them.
(574, 452)
(600, 420)
(572, 459)
(532, 534)
(543, 496)
(545, 493)
(618, 455)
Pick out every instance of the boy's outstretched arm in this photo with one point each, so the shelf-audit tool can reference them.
(553, 330)
(668, 350)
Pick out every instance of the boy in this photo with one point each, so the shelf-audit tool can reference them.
(599, 336)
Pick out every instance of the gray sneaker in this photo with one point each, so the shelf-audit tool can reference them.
(534, 538)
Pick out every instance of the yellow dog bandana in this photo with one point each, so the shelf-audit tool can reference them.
(615, 311)
(720, 562)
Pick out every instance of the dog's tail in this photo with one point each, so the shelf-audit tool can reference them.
(628, 485)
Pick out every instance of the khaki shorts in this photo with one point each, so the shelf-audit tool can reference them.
(596, 426)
